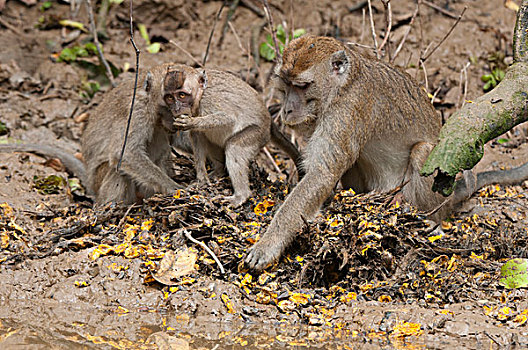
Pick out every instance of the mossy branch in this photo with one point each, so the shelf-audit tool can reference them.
(462, 138)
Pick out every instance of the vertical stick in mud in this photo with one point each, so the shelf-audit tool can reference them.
(135, 85)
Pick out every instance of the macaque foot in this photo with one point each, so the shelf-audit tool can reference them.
(202, 178)
(263, 254)
(170, 188)
(236, 201)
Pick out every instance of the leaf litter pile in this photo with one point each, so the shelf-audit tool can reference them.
(360, 247)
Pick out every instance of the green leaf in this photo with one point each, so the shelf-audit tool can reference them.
(144, 33)
(498, 74)
(72, 24)
(74, 184)
(67, 55)
(298, 32)
(503, 141)
(267, 51)
(3, 129)
(281, 48)
(486, 77)
(281, 34)
(80, 51)
(45, 6)
(154, 47)
(514, 274)
(117, 2)
(89, 89)
(91, 48)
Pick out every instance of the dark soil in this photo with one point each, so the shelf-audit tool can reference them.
(363, 274)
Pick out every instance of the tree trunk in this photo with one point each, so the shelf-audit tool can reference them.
(462, 138)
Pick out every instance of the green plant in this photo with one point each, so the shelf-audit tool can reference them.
(70, 54)
(152, 47)
(491, 80)
(267, 48)
(89, 88)
(45, 6)
(3, 129)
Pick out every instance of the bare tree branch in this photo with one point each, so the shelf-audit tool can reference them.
(135, 85)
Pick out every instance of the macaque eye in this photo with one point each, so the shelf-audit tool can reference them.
(169, 99)
(182, 95)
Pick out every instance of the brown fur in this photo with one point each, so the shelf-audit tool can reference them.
(368, 125)
(230, 128)
(145, 167)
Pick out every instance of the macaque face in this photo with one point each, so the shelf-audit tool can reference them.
(300, 101)
(182, 93)
(309, 77)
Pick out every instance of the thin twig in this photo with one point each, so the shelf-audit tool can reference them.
(272, 29)
(253, 7)
(123, 219)
(420, 43)
(186, 52)
(102, 15)
(93, 29)
(361, 45)
(237, 38)
(364, 12)
(439, 9)
(435, 93)
(447, 34)
(373, 30)
(388, 20)
(230, 13)
(493, 339)
(135, 85)
(275, 166)
(400, 46)
(13, 28)
(462, 91)
(212, 32)
(437, 208)
(465, 84)
(291, 20)
(425, 76)
(206, 248)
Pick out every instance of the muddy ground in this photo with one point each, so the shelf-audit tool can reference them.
(365, 274)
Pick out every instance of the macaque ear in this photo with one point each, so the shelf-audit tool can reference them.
(147, 85)
(203, 80)
(340, 62)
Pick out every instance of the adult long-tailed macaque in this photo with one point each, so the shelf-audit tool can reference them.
(368, 125)
(145, 167)
(229, 128)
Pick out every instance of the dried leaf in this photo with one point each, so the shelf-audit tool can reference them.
(173, 266)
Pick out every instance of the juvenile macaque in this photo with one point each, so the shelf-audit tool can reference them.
(367, 124)
(145, 168)
(230, 126)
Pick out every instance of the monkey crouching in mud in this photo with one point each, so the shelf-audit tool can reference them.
(230, 127)
(368, 125)
(146, 167)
